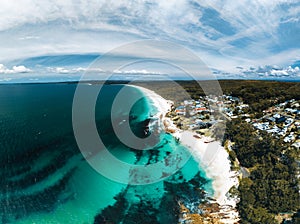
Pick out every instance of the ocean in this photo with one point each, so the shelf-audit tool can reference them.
(46, 179)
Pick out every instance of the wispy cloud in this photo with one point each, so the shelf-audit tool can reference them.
(134, 71)
(270, 71)
(223, 33)
(14, 69)
(62, 70)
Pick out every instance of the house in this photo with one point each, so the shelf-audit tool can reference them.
(296, 145)
(271, 119)
(219, 103)
(188, 102)
(280, 119)
(283, 131)
(200, 109)
(245, 116)
(276, 116)
(262, 126)
(230, 113)
(274, 130)
(242, 106)
(180, 110)
(289, 121)
(248, 120)
(289, 138)
(283, 104)
(290, 110)
(233, 99)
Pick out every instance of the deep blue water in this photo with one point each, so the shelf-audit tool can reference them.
(45, 179)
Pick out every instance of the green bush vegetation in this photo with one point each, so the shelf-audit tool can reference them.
(258, 94)
(272, 186)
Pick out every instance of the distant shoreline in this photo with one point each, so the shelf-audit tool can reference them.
(95, 82)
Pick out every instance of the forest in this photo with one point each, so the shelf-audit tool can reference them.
(272, 187)
(258, 94)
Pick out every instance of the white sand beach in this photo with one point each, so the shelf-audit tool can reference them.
(163, 105)
(212, 157)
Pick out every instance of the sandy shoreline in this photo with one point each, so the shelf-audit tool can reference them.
(212, 157)
(163, 105)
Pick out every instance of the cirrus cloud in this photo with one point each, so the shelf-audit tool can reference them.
(224, 33)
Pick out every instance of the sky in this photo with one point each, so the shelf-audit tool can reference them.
(54, 39)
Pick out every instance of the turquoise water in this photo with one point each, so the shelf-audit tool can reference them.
(45, 179)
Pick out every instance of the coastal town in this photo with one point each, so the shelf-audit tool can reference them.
(281, 120)
(202, 117)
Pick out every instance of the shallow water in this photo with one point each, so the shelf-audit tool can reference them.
(44, 178)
